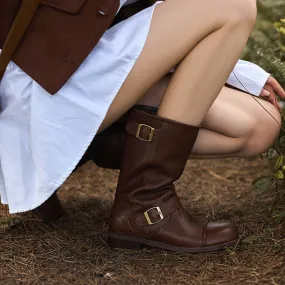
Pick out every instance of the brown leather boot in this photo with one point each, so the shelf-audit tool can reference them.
(51, 210)
(147, 211)
(106, 150)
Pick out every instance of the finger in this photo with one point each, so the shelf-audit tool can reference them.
(268, 89)
(276, 86)
(265, 93)
(272, 97)
(276, 104)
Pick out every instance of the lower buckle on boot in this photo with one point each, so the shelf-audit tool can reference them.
(148, 218)
(150, 135)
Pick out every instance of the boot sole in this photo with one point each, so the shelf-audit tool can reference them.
(135, 243)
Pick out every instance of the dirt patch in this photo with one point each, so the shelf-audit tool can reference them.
(74, 251)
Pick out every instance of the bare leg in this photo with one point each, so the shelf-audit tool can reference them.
(235, 126)
(190, 32)
(212, 67)
(196, 31)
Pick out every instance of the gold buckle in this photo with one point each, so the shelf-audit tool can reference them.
(150, 138)
(148, 218)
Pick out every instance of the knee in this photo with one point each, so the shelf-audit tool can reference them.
(242, 13)
(264, 132)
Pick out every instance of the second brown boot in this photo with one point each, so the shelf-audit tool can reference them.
(147, 211)
(51, 210)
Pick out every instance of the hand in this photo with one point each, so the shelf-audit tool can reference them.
(269, 91)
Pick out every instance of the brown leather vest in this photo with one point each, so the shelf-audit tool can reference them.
(59, 38)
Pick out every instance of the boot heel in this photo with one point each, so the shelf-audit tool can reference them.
(120, 241)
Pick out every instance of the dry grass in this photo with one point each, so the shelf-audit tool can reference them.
(74, 251)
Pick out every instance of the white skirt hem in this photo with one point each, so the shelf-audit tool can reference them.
(51, 187)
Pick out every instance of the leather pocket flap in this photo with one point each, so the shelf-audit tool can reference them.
(68, 6)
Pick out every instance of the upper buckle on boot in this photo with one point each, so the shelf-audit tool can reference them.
(148, 218)
(150, 135)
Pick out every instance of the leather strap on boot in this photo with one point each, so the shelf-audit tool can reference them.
(146, 210)
(155, 214)
(142, 132)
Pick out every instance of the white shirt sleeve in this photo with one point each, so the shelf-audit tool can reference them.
(249, 77)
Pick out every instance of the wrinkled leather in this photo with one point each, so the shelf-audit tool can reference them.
(148, 171)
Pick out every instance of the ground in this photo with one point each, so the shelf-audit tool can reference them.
(74, 251)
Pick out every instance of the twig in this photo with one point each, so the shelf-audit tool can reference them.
(216, 175)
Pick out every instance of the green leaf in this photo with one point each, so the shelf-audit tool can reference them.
(231, 250)
(262, 184)
(279, 174)
(279, 162)
(278, 217)
(4, 220)
(13, 222)
(251, 239)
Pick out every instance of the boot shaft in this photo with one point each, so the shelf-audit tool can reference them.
(155, 153)
(146, 209)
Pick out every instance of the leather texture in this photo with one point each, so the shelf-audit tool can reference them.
(106, 149)
(17, 31)
(51, 210)
(59, 38)
(148, 171)
(68, 6)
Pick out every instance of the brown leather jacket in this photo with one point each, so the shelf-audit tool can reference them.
(61, 35)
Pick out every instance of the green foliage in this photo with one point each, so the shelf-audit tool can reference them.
(266, 46)
(262, 184)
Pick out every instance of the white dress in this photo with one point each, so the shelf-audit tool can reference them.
(43, 137)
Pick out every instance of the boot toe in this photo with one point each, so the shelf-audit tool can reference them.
(218, 233)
